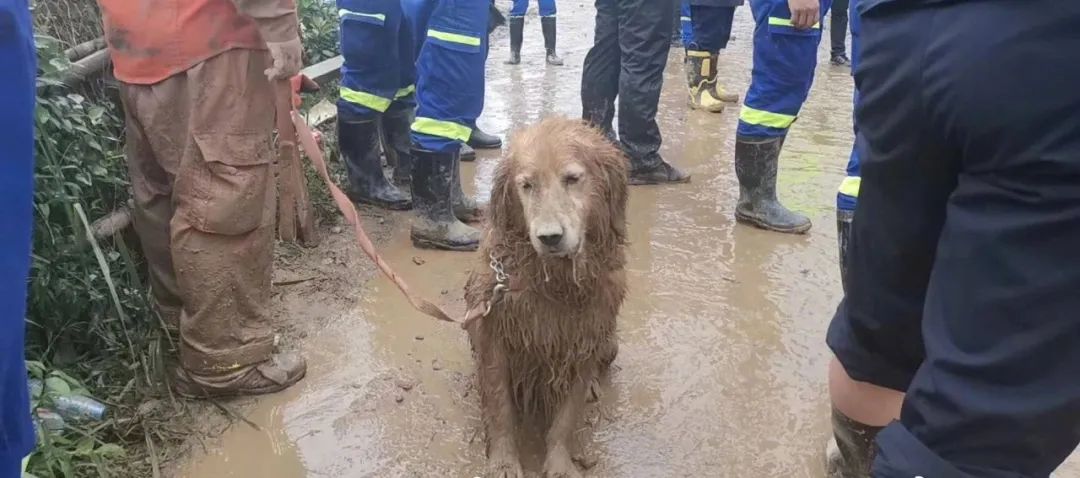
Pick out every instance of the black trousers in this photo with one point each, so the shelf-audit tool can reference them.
(838, 26)
(627, 63)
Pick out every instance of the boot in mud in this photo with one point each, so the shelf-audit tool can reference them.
(397, 143)
(465, 207)
(517, 33)
(850, 453)
(756, 163)
(281, 371)
(467, 154)
(843, 239)
(478, 139)
(548, 26)
(436, 226)
(359, 142)
(662, 173)
(701, 80)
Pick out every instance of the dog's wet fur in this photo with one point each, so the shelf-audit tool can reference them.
(557, 223)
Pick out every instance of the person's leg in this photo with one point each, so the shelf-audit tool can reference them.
(371, 80)
(450, 95)
(848, 194)
(783, 70)
(517, 29)
(686, 24)
(223, 230)
(713, 27)
(397, 119)
(643, 30)
(151, 178)
(548, 25)
(838, 27)
(600, 72)
(906, 175)
(997, 395)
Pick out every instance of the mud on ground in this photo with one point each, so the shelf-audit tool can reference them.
(721, 369)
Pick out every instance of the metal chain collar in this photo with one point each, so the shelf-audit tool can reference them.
(502, 280)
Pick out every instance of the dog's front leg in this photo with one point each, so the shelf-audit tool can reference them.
(500, 422)
(558, 463)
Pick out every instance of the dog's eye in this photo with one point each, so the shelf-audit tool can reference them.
(571, 179)
(526, 185)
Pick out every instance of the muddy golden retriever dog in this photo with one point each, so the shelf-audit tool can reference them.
(552, 271)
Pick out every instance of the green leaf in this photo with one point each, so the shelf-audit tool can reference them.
(96, 113)
(57, 386)
(111, 449)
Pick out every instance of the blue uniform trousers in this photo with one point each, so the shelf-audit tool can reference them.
(521, 7)
(17, 95)
(706, 28)
(428, 51)
(963, 268)
(377, 43)
(784, 62)
(848, 195)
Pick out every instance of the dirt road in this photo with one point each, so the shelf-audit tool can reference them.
(722, 359)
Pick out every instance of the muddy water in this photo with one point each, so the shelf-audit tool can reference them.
(721, 366)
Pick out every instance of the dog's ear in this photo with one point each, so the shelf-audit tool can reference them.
(504, 209)
(613, 171)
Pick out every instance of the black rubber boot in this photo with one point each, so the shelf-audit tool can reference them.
(756, 163)
(467, 154)
(465, 207)
(435, 226)
(843, 239)
(664, 173)
(359, 143)
(851, 452)
(547, 24)
(517, 34)
(481, 140)
(397, 143)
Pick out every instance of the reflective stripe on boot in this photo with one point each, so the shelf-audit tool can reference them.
(701, 82)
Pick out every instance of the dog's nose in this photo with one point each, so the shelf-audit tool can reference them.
(551, 240)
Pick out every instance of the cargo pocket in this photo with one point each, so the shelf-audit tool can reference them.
(233, 188)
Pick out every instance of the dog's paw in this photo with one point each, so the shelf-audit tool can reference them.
(504, 469)
(560, 465)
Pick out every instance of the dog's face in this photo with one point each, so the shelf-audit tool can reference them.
(566, 183)
(553, 189)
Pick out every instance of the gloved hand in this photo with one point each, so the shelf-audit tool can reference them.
(287, 56)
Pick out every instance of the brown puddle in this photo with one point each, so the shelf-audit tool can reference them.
(722, 356)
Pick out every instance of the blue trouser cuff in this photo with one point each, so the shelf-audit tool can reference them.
(901, 455)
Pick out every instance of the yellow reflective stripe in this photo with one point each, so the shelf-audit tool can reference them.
(369, 100)
(406, 91)
(850, 186)
(442, 129)
(342, 13)
(764, 118)
(785, 22)
(454, 37)
(698, 54)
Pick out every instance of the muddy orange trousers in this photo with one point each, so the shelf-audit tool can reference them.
(199, 156)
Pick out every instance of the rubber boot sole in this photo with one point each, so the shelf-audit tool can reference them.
(424, 243)
(183, 391)
(758, 223)
(643, 182)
